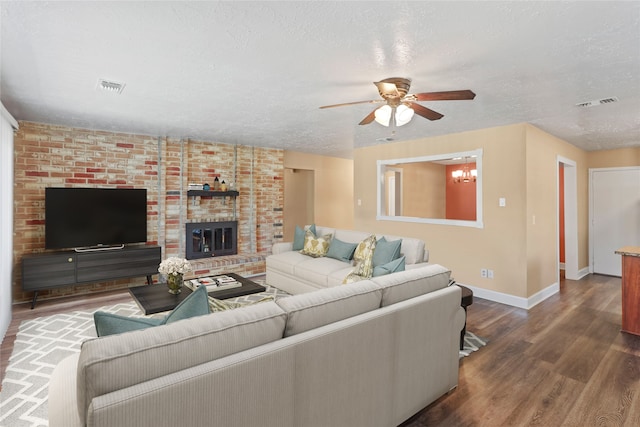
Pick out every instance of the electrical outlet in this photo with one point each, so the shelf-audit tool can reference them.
(490, 274)
(483, 273)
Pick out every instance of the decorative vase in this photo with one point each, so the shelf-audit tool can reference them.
(174, 282)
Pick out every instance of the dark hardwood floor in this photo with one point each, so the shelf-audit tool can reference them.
(565, 362)
(562, 363)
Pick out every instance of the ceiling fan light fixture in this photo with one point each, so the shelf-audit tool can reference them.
(404, 115)
(383, 115)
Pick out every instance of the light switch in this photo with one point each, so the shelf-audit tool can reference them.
(502, 202)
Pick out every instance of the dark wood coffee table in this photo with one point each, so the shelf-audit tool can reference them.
(156, 298)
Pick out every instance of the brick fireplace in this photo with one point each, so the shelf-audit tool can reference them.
(58, 156)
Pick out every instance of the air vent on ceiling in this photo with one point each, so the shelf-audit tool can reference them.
(385, 139)
(110, 86)
(597, 102)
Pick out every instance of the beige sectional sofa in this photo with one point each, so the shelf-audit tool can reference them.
(371, 353)
(296, 273)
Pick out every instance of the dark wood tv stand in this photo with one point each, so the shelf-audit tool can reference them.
(66, 268)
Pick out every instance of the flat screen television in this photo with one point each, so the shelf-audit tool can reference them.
(94, 217)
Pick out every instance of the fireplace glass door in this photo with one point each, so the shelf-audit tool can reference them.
(206, 239)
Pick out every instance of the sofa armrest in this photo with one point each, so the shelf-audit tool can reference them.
(281, 247)
(63, 404)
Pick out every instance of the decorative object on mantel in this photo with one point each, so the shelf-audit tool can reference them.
(206, 187)
(174, 269)
(223, 186)
(216, 184)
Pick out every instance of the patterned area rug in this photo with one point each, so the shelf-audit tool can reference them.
(472, 343)
(43, 342)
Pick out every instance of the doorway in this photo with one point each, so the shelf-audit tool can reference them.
(298, 200)
(567, 217)
(393, 183)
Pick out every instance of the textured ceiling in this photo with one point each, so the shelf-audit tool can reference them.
(255, 73)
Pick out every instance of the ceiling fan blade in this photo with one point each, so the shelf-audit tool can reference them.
(370, 117)
(451, 95)
(424, 111)
(352, 103)
(385, 88)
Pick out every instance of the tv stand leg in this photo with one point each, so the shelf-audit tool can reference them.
(149, 280)
(33, 302)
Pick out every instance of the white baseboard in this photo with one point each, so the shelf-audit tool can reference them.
(583, 272)
(513, 300)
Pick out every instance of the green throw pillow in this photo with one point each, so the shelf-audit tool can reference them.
(390, 267)
(196, 304)
(342, 251)
(298, 237)
(386, 251)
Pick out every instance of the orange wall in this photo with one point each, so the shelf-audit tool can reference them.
(561, 209)
(461, 197)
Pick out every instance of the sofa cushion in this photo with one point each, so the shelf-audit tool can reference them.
(196, 304)
(411, 283)
(315, 246)
(413, 249)
(390, 267)
(315, 270)
(298, 236)
(351, 236)
(286, 262)
(342, 251)
(118, 361)
(314, 309)
(386, 251)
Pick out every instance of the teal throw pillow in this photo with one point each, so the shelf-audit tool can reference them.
(109, 323)
(386, 251)
(390, 267)
(298, 237)
(196, 304)
(342, 251)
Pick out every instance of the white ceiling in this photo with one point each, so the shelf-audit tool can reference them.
(255, 73)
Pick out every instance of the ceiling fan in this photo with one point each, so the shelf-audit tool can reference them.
(400, 105)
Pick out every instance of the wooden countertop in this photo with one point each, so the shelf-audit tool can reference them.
(629, 250)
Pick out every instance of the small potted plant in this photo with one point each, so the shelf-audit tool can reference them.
(174, 269)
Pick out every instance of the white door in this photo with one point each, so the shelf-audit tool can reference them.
(615, 216)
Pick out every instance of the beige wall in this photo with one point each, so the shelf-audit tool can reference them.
(420, 180)
(520, 165)
(333, 188)
(542, 151)
(623, 157)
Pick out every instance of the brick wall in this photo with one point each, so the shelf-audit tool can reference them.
(57, 156)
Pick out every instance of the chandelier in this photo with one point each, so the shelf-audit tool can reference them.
(465, 174)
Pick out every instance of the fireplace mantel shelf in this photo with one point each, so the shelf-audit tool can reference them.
(211, 193)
